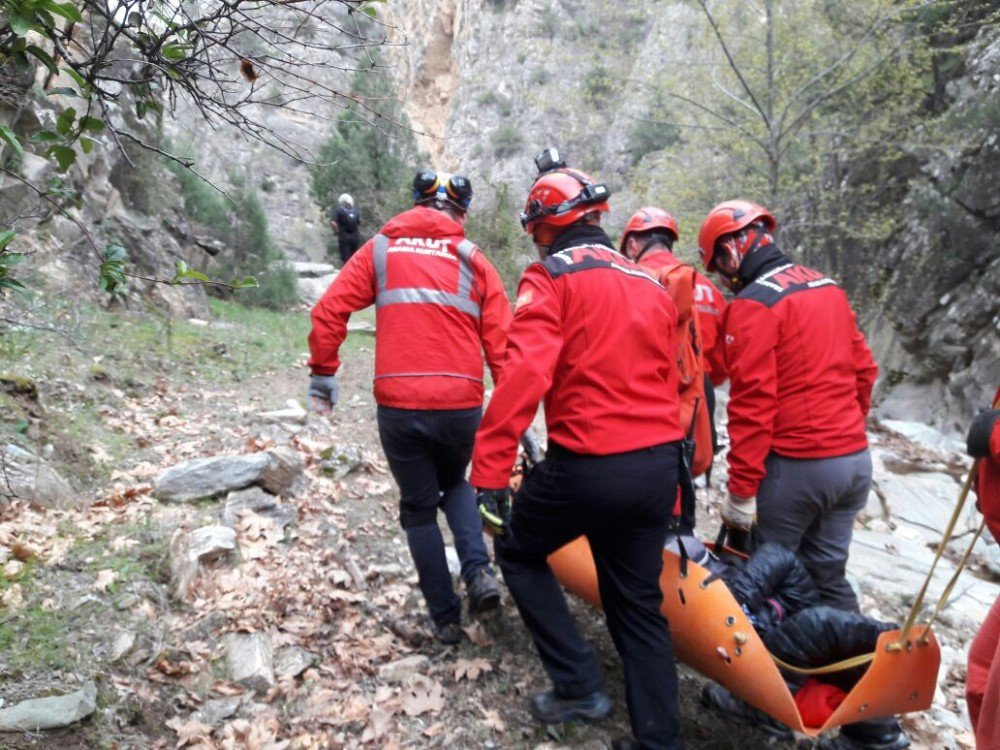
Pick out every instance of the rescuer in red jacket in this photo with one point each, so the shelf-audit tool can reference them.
(983, 674)
(594, 336)
(801, 378)
(648, 239)
(439, 306)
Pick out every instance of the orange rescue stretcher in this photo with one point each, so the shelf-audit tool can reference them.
(712, 634)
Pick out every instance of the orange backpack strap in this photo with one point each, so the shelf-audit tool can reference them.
(680, 281)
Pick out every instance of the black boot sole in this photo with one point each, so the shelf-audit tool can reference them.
(484, 604)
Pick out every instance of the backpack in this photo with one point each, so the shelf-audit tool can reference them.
(679, 280)
(349, 218)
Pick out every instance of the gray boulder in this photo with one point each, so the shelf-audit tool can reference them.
(250, 660)
(255, 500)
(27, 476)
(279, 471)
(50, 713)
(188, 550)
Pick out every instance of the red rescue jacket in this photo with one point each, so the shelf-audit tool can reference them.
(988, 485)
(595, 336)
(711, 306)
(439, 305)
(800, 371)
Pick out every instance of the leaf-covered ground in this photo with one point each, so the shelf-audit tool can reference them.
(86, 593)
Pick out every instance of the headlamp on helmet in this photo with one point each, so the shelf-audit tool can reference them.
(592, 193)
(548, 160)
(442, 190)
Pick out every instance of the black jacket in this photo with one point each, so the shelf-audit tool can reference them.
(781, 600)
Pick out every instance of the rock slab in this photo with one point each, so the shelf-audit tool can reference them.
(280, 471)
(50, 713)
(25, 475)
(250, 660)
(255, 500)
(188, 550)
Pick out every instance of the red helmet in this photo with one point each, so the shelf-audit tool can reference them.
(647, 219)
(726, 218)
(562, 196)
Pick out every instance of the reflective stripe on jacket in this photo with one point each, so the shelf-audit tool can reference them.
(440, 305)
(596, 337)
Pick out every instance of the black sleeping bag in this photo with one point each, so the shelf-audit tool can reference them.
(778, 594)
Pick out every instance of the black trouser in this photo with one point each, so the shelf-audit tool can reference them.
(710, 405)
(347, 245)
(622, 504)
(428, 453)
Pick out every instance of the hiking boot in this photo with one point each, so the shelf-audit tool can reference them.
(448, 633)
(723, 702)
(549, 708)
(892, 741)
(483, 592)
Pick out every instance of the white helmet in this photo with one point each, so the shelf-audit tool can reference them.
(345, 200)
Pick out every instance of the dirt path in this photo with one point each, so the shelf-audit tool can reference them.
(337, 584)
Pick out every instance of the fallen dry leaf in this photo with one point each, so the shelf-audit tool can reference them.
(477, 634)
(422, 694)
(190, 732)
(104, 579)
(471, 668)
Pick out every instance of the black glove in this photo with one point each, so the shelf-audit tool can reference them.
(977, 442)
(494, 507)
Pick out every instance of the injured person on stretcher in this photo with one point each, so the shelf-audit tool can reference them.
(782, 603)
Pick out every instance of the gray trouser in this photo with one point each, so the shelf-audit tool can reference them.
(808, 506)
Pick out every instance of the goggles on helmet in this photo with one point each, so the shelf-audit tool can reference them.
(455, 189)
(593, 192)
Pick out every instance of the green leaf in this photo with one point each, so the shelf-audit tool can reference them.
(44, 57)
(86, 145)
(244, 283)
(64, 122)
(67, 10)
(181, 271)
(77, 78)
(369, 11)
(62, 91)
(22, 22)
(93, 124)
(9, 260)
(115, 252)
(5, 237)
(13, 284)
(46, 136)
(64, 155)
(173, 52)
(7, 136)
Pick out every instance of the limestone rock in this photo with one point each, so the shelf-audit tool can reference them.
(280, 471)
(309, 270)
(284, 473)
(255, 500)
(216, 711)
(188, 550)
(454, 564)
(291, 661)
(30, 477)
(250, 660)
(49, 713)
(208, 477)
(311, 289)
(397, 671)
(294, 413)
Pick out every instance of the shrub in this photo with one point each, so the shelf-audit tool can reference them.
(497, 232)
(598, 86)
(507, 140)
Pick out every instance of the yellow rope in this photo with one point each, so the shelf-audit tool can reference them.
(854, 661)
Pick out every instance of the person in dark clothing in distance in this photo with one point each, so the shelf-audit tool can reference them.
(345, 221)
